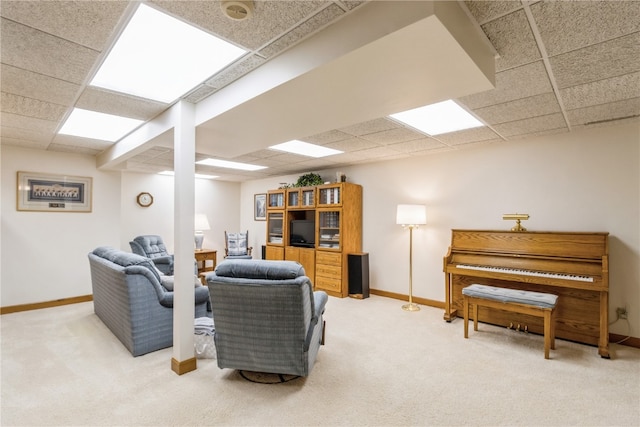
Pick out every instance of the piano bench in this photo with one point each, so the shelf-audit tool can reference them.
(524, 302)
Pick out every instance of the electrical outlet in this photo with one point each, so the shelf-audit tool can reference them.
(621, 312)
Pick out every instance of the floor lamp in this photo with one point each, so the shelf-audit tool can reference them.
(411, 216)
(200, 224)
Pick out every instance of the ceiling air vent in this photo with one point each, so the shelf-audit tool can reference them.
(237, 10)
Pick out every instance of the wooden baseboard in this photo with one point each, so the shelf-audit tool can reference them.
(401, 297)
(613, 338)
(184, 366)
(46, 304)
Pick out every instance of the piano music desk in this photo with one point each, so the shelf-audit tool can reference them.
(532, 303)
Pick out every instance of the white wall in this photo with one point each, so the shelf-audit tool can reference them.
(580, 181)
(44, 255)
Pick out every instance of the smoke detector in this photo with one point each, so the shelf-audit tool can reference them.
(238, 10)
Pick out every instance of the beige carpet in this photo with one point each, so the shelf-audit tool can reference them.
(380, 366)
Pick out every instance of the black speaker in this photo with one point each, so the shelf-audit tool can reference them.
(358, 265)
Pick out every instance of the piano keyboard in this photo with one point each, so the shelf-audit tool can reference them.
(526, 272)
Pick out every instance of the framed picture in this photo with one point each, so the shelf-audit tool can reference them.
(260, 207)
(53, 193)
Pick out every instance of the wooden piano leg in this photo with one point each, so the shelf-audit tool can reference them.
(475, 316)
(603, 341)
(547, 333)
(465, 304)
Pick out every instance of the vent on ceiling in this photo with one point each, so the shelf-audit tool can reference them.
(238, 10)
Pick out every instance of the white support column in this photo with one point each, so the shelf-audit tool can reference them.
(183, 360)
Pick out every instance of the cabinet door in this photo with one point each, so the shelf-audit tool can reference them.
(308, 197)
(275, 228)
(293, 199)
(329, 195)
(275, 199)
(329, 225)
(275, 253)
(308, 261)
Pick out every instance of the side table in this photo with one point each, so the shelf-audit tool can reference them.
(202, 256)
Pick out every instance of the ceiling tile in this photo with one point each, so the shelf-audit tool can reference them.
(105, 101)
(199, 94)
(469, 135)
(393, 136)
(37, 86)
(485, 11)
(422, 144)
(271, 18)
(327, 137)
(569, 25)
(352, 144)
(235, 71)
(605, 60)
(87, 23)
(42, 53)
(605, 112)
(602, 91)
(74, 149)
(29, 123)
(25, 143)
(303, 30)
(509, 86)
(371, 126)
(519, 109)
(532, 125)
(512, 37)
(30, 107)
(70, 140)
(7, 132)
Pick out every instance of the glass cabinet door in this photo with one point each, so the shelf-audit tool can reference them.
(329, 229)
(308, 197)
(275, 227)
(275, 199)
(293, 198)
(330, 196)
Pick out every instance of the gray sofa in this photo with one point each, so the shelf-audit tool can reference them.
(131, 300)
(266, 315)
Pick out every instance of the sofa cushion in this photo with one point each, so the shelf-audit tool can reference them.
(259, 269)
(167, 282)
(125, 259)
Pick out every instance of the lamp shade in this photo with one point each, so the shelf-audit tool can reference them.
(201, 223)
(411, 214)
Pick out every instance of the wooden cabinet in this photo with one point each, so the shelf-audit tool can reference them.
(275, 199)
(301, 198)
(305, 256)
(335, 210)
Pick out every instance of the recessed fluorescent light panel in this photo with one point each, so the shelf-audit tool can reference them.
(436, 119)
(305, 149)
(91, 124)
(230, 165)
(161, 58)
(197, 175)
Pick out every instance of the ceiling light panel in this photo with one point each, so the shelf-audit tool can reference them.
(439, 118)
(230, 165)
(161, 58)
(197, 175)
(305, 149)
(91, 124)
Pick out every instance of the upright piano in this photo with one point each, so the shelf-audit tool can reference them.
(572, 265)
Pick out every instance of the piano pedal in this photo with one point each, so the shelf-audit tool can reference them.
(510, 325)
(526, 329)
(518, 327)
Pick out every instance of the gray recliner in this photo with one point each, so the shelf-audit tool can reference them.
(267, 316)
(134, 301)
(152, 246)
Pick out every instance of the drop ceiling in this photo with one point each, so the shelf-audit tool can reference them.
(559, 67)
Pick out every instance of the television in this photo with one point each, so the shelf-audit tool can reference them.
(302, 233)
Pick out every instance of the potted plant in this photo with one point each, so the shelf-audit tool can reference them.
(308, 180)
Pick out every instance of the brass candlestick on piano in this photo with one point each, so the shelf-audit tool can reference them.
(517, 217)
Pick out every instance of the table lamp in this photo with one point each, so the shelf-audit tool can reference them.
(200, 224)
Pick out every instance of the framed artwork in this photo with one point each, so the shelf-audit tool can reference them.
(53, 193)
(260, 207)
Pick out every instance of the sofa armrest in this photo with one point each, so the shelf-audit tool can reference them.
(320, 299)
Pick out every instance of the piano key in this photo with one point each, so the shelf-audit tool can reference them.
(526, 272)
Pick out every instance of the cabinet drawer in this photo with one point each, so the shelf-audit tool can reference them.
(328, 284)
(329, 271)
(329, 258)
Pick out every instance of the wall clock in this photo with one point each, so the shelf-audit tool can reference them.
(144, 199)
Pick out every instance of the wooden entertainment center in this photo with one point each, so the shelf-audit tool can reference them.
(318, 227)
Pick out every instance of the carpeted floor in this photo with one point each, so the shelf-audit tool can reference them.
(381, 366)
